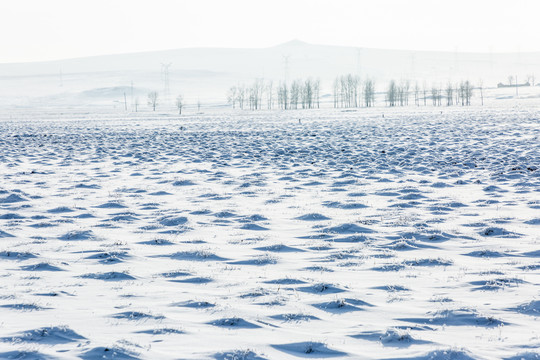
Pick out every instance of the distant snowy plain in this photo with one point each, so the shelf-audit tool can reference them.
(270, 235)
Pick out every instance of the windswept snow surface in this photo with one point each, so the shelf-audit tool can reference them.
(258, 236)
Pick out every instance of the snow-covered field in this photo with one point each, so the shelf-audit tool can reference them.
(271, 235)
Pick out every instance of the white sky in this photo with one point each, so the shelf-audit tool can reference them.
(34, 30)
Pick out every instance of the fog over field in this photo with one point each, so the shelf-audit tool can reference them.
(207, 73)
(377, 197)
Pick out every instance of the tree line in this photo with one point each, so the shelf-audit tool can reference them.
(349, 91)
(398, 93)
(301, 93)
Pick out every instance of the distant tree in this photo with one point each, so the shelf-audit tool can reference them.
(198, 105)
(405, 89)
(532, 79)
(307, 94)
(510, 80)
(179, 103)
(241, 96)
(416, 94)
(255, 94)
(269, 95)
(434, 95)
(336, 92)
(465, 93)
(468, 92)
(481, 88)
(391, 93)
(369, 92)
(283, 96)
(136, 104)
(317, 92)
(295, 94)
(153, 99)
(449, 94)
(232, 96)
(401, 94)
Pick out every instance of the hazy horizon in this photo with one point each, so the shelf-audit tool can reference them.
(59, 29)
(291, 41)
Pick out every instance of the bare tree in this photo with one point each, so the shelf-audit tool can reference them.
(468, 92)
(179, 103)
(391, 93)
(232, 96)
(510, 80)
(449, 94)
(465, 92)
(406, 90)
(241, 96)
(424, 88)
(416, 94)
(481, 88)
(136, 104)
(283, 96)
(307, 94)
(317, 91)
(369, 92)
(153, 99)
(295, 94)
(269, 95)
(336, 92)
(436, 95)
(255, 94)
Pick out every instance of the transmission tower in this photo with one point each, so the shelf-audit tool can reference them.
(165, 78)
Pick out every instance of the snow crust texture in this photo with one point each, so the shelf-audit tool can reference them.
(243, 235)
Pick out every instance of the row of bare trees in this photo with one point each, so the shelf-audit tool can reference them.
(242, 96)
(350, 91)
(153, 101)
(397, 94)
(303, 94)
